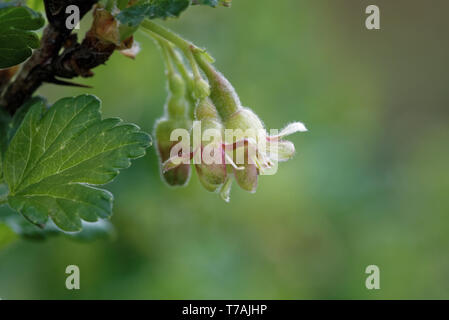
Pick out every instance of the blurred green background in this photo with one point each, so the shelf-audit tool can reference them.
(369, 183)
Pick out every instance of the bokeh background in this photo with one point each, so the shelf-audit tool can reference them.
(369, 183)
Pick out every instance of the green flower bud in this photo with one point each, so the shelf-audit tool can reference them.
(176, 84)
(222, 93)
(201, 89)
(177, 104)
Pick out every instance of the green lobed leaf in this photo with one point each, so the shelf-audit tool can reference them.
(101, 229)
(16, 36)
(131, 17)
(152, 9)
(212, 3)
(9, 126)
(58, 156)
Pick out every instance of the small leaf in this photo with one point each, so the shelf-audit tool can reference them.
(212, 3)
(131, 17)
(16, 38)
(152, 9)
(57, 157)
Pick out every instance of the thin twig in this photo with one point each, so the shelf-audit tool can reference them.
(47, 64)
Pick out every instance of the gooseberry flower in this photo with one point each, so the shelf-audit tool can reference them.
(179, 176)
(261, 151)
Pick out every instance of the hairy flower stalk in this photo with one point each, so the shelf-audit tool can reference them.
(187, 76)
(244, 147)
(175, 117)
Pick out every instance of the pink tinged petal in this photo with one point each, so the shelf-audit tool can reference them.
(206, 182)
(247, 178)
(179, 176)
(213, 175)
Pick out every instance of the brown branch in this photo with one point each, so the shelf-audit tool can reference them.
(78, 59)
(6, 75)
(46, 64)
(33, 72)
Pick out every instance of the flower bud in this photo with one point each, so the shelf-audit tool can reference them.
(176, 85)
(177, 104)
(222, 93)
(201, 89)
